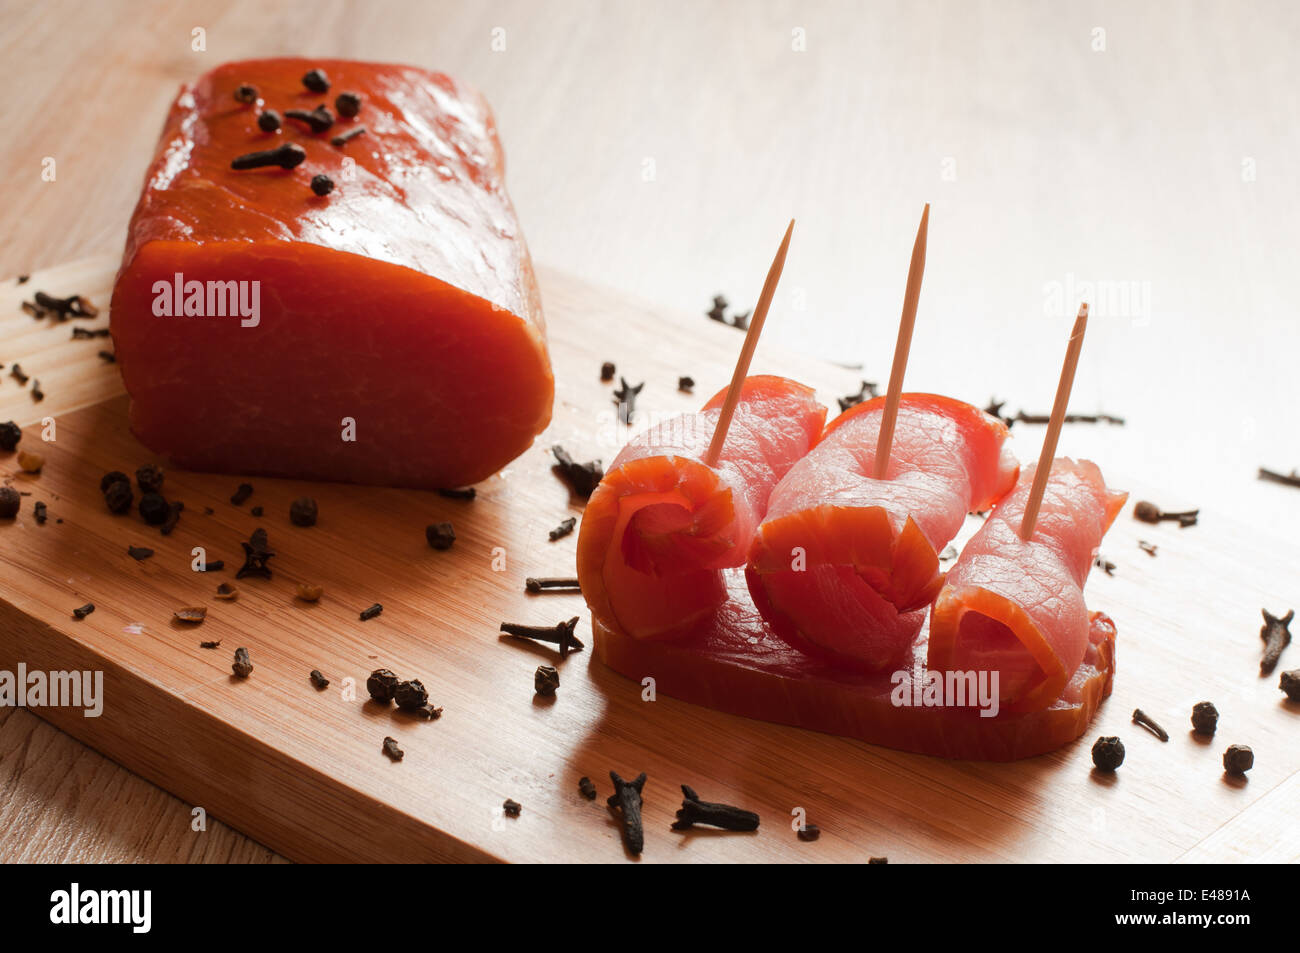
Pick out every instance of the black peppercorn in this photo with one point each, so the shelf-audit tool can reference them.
(1205, 718)
(1108, 753)
(348, 104)
(316, 81)
(322, 184)
(268, 121)
(154, 509)
(119, 496)
(149, 478)
(113, 476)
(302, 511)
(10, 434)
(411, 696)
(10, 502)
(1238, 759)
(382, 685)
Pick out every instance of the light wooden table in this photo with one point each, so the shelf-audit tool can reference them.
(1142, 156)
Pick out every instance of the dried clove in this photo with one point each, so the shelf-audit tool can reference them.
(243, 665)
(1107, 753)
(1105, 565)
(269, 120)
(1148, 548)
(119, 497)
(411, 696)
(343, 138)
(587, 788)
(139, 553)
(318, 119)
(1287, 479)
(41, 512)
(210, 645)
(392, 750)
(809, 832)
(1205, 718)
(256, 552)
(1025, 418)
(564, 529)
(607, 371)
(719, 310)
(286, 156)
(582, 478)
(242, 493)
(1238, 759)
(1150, 513)
(686, 384)
(382, 685)
(1276, 634)
(454, 494)
(10, 434)
(1146, 721)
(303, 511)
(440, 536)
(11, 501)
(370, 612)
(545, 584)
(546, 680)
(627, 799)
(560, 634)
(316, 81)
(153, 509)
(81, 612)
(321, 184)
(319, 680)
(1290, 683)
(625, 396)
(348, 104)
(724, 816)
(512, 807)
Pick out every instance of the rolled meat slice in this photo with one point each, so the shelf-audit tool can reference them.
(1015, 607)
(660, 527)
(843, 561)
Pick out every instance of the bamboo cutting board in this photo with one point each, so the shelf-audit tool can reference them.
(302, 771)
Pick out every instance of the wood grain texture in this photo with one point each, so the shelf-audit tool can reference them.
(302, 771)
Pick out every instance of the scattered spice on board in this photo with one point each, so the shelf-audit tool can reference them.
(10, 434)
(256, 511)
(1107, 753)
(877, 860)
(149, 478)
(429, 712)
(440, 535)
(1276, 634)
(318, 119)
(308, 592)
(81, 612)
(86, 334)
(370, 612)
(868, 390)
(269, 120)
(322, 184)
(1148, 512)
(809, 833)
(1238, 759)
(319, 680)
(411, 696)
(153, 509)
(40, 512)
(719, 310)
(245, 93)
(108, 357)
(256, 552)
(213, 565)
(1105, 565)
(241, 494)
(111, 477)
(343, 138)
(1025, 418)
(740, 321)
(37, 394)
(382, 685)
(625, 396)
(626, 799)
(1290, 683)
(139, 553)
(546, 680)
(723, 816)
(316, 81)
(30, 462)
(227, 592)
(73, 306)
(1287, 479)
(392, 750)
(210, 645)
(547, 584)
(468, 493)
(286, 156)
(564, 529)
(194, 614)
(560, 634)
(11, 502)
(607, 371)
(994, 409)
(582, 478)
(1205, 718)
(16, 372)
(587, 787)
(23, 279)
(1148, 548)
(686, 384)
(303, 511)
(348, 103)
(119, 497)
(243, 665)
(1146, 721)
(512, 807)
(173, 517)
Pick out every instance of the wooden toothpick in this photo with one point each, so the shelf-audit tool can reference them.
(1054, 425)
(885, 441)
(747, 351)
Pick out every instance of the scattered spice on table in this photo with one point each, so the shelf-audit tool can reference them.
(546, 680)
(1205, 718)
(877, 860)
(81, 612)
(119, 497)
(174, 510)
(582, 478)
(149, 478)
(868, 390)
(242, 493)
(16, 372)
(108, 357)
(245, 93)
(626, 800)
(343, 138)
(1287, 479)
(256, 511)
(322, 184)
(382, 685)
(1148, 512)
(512, 807)
(994, 409)
(587, 787)
(723, 816)
(210, 645)
(561, 634)
(30, 462)
(139, 553)
(429, 712)
(308, 592)
(1025, 418)
(10, 434)
(440, 535)
(452, 493)
(686, 384)
(303, 511)
(194, 614)
(227, 592)
(564, 529)
(1146, 721)
(719, 310)
(370, 612)
(1276, 633)
(23, 279)
(411, 695)
(286, 156)
(40, 512)
(37, 394)
(11, 502)
(319, 680)
(809, 832)
(213, 565)
(153, 509)
(243, 665)
(741, 321)
(318, 119)
(1238, 759)
(1105, 565)
(111, 477)
(269, 120)
(1148, 548)
(316, 81)
(607, 371)
(73, 306)
(392, 750)
(348, 103)
(256, 553)
(1107, 753)
(625, 396)
(547, 584)
(1290, 683)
